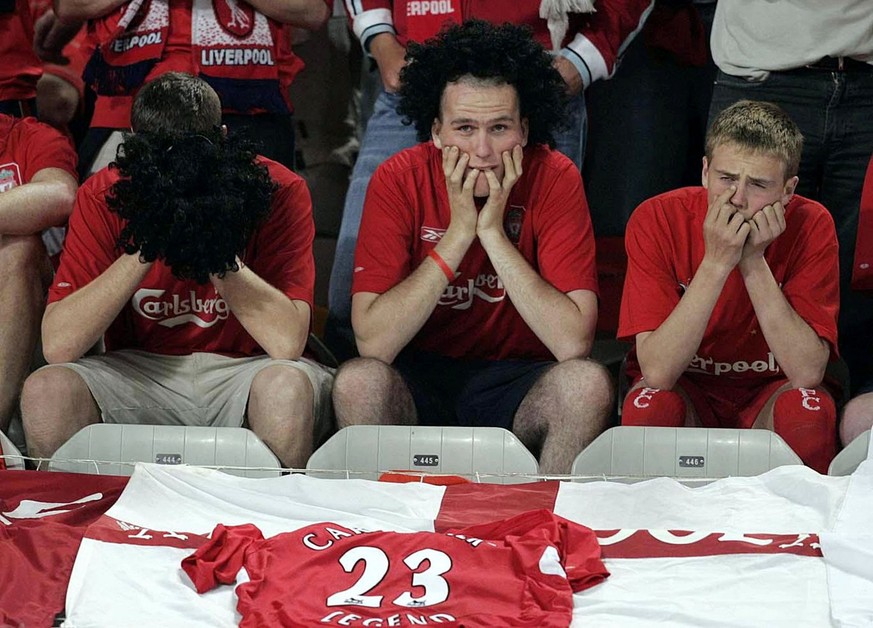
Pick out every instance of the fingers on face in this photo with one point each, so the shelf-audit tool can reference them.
(722, 202)
(493, 183)
(776, 215)
(517, 158)
(470, 179)
(736, 222)
(454, 164)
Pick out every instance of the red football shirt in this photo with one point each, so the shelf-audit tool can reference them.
(665, 246)
(518, 572)
(167, 315)
(406, 212)
(28, 146)
(21, 68)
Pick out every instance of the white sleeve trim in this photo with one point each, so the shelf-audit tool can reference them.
(370, 22)
(582, 50)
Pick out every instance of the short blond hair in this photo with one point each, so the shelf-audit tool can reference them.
(760, 127)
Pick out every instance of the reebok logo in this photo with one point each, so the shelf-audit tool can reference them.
(432, 234)
(174, 310)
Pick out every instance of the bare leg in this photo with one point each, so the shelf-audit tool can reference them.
(55, 404)
(564, 411)
(23, 284)
(857, 418)
(368, 391)
(280, 411)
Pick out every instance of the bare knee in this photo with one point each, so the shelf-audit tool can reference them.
(362, 377)
(55, 404)
(367, 390)
(580, 383)
(282, 383)
(281, 391)
(857, 418)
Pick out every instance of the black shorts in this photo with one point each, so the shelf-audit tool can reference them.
(471, 393)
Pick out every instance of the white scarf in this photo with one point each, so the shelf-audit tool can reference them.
(555, 13)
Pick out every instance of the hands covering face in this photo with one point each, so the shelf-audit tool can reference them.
(730, 239)
(461, 182)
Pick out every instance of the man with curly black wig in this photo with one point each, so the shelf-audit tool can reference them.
(192, 258)
(475, 288)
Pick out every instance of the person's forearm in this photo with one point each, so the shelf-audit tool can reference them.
(800, 352)
(387, 323)
(278, 324)
(308, 14)
(30, 208)
(667, 351)
(557, 321)
(74, 11)
(73, 325)
(392, 319)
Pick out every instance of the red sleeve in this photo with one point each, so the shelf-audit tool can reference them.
(45, 147)
(812, 286)
(89, 247)
(383, 256)
(862, 269)
(650, 292)
(604, 36)
(565, 238)
(529, 532)
(219, 560)
(281, 254)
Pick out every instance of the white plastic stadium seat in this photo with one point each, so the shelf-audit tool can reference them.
(117, 446)
(369, 450)
(851, 456)
(11, 453)
(689, 454)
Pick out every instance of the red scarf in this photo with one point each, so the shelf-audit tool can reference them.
(130, 41)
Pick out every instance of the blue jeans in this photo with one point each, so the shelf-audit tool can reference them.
(834, 111)
(386, 135)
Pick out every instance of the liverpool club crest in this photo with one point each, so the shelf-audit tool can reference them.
(512, 221)
(235, 16)
(10, 176)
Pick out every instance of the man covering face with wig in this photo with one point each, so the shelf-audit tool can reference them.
(192, 258)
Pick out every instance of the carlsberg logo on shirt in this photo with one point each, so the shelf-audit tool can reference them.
(173, 309)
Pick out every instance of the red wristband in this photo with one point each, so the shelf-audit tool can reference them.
(448, 272)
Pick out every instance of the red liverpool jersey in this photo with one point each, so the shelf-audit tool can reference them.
(517, 572)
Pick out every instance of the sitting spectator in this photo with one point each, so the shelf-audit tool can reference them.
(587, 39)
(858, 413)
(731, 294)
(38, 185)
(21, 68)
(822, 76)
(194, 258)
(475, 289)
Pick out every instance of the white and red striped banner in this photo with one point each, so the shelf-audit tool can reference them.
(737, 552)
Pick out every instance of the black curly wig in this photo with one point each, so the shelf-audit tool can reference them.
(505, 54)
(189, 196)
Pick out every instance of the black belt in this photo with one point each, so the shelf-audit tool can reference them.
(18, 108)
(839, 64)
